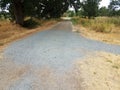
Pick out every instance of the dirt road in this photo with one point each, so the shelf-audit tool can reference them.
(49, 56)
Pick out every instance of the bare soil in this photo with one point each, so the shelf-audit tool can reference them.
(9, 73)
(100, 71)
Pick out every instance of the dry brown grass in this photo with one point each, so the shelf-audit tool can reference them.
(100, 71)
(10, 32)
(105, 29)
(99, 24)
(111, 38)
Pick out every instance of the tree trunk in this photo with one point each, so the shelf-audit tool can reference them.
(18, 11)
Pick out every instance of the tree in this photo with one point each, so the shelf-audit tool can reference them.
(37, 8)
(15, 7)
(114, 4)
(52, 8)
(4, 15)
(76, 4)
(56, 8)
(18, 11)
(90, 8)
(114, 8)
(103, 11)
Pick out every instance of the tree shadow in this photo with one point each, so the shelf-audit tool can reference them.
(31, 24)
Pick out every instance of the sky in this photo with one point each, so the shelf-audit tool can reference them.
(104, 3)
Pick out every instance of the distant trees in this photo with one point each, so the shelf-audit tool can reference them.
(114, 8)
(103, 11)
(90, 7)
(76, 4)
(4, 15)
(114, 4)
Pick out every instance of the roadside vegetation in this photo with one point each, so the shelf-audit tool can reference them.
(102, 19)
(99, 24)
(105, 29)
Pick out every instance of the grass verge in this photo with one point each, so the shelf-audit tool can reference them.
(101, 28)
(100, 24)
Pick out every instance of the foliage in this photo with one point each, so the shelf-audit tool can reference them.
(114, 4)
(45, 8)
(114, 8)
(37, 8)
(76, 4)
(69, 14)
(4, 15)
(103, 11)
(90, 7)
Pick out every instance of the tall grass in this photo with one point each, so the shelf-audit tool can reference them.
(99, 24)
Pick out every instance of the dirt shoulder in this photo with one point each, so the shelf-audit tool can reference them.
(10, 32)
(10, 73)
(111, 38)
(100, 71)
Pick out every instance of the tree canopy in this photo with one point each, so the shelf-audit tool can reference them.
(18, 9)
(37, 8)
(103, 11)
(114, 8)
(90, 7)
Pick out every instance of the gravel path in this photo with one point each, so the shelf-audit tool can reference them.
(55, 49)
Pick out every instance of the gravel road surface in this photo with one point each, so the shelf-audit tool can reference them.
(53, 50)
